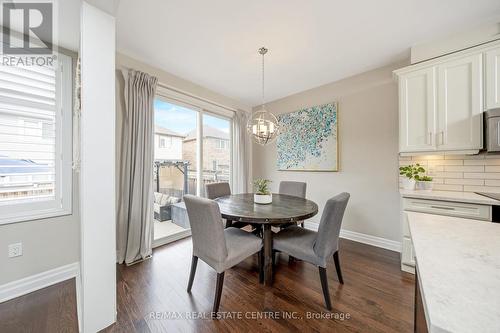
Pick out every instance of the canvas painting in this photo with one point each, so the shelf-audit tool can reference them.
(308, 139)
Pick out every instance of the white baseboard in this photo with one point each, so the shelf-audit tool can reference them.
(383, 243)
(35, 282)
(362, 238)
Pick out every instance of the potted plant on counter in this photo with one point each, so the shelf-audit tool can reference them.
(424, 183)
(262, 194)
(410, 173)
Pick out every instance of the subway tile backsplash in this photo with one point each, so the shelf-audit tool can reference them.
(468, 173)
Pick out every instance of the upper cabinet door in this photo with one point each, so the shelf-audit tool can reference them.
(493, 78)
(460, 104)
(417, 111)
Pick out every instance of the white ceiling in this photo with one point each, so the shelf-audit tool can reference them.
(214, 43)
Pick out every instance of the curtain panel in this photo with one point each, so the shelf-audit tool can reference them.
(241, 152)
(135, 192)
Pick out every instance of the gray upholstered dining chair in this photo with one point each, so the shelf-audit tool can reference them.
(317, 247)
(216, 190)
(220, 248)
(296, 189)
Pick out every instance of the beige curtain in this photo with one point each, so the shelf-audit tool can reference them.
(135, 204)
(241, 153)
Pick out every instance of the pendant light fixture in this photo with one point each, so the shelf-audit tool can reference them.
(263, 125)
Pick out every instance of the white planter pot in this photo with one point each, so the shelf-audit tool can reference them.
(262, 199)
(409, 184)
(425, 186)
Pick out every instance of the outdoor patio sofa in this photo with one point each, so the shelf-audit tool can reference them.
(162, 206)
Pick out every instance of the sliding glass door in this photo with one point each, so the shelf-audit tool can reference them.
(192, 147)
(216, 150)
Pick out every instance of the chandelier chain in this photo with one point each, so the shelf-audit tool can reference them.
(263, 91)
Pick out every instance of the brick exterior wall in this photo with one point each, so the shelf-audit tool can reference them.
(210, 153)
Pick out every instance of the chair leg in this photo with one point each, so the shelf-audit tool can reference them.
(194, 262)
(218, 292)
(337, 266)
(229, 223)
(302, 224)
(260, 256)
(324, 285)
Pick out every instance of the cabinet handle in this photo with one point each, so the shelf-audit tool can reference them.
(441, 134)
(441, 207)
(430, 138)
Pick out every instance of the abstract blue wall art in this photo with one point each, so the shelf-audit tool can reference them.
(308, 139)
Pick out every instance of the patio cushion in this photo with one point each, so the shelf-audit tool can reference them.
(165, 200)
(174, 200)
(156, 208)
(158, 197)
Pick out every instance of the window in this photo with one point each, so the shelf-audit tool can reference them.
(216, 153)
(35, 141)
(222, 144)
(162, 142)
(182, 125)
(178, 125)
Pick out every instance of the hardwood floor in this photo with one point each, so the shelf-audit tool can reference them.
(376, 297)
(52, 309)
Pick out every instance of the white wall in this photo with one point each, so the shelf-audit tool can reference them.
(47, 244)
(98, 218)
(368, 148)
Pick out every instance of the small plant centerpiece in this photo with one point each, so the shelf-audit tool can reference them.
(411, 174)
(424, 183)
(262, 194)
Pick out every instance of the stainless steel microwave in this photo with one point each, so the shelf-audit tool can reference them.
(492, 130)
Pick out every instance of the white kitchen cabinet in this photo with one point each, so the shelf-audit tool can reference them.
(460, 104)
(492, 68)
(441, 101)
(417, 111)
(407, 256)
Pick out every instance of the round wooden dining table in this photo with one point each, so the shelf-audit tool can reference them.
(283, 210)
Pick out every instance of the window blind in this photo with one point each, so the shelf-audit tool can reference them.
(28, 110)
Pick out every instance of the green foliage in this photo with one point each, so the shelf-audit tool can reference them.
(261, 186)
(412, 171)
(423, 178)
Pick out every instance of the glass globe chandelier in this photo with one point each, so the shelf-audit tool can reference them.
(263, 125)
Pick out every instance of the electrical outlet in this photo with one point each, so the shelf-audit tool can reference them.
(15, 250)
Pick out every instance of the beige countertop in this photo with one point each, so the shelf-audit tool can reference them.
(468, 197)
(458, 267)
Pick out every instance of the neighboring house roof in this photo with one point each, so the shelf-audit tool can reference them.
(165, 131)
(12, 165)
(208, 132)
